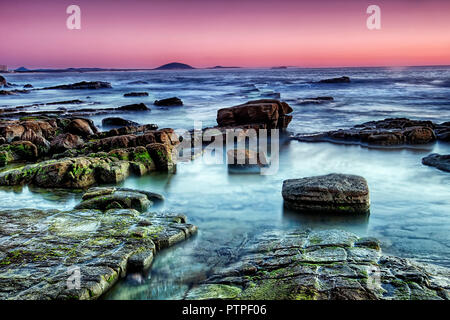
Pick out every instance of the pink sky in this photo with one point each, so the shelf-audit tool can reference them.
(203, 33)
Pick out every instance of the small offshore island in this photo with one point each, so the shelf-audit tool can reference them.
(113, 231)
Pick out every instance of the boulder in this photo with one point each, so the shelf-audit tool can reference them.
(81, 127)
(332, 193)
(169, 102)
(65, 142)
(259, 114)
(134, 107)
(118, 122)
(117, 198)
(161, 156)
(28, 86)
(387, 132)
(343, 79)
(84, 85)
(136, 94)
(3, 81)
(441, 162)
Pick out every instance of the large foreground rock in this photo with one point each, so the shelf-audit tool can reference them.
(42, 252)
(258, 114)
(118, 198)
(339, 193)
(441, 162)
(388, 132)
(321, 265)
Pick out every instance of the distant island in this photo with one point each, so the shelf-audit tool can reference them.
(222, 67)
(174, 66)
(168, 66)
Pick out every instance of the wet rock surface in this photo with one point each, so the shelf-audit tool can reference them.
(41, 250)
(83, 85)
(257, 114)
(332, 193)
(118, 198)
(321, 265)
(118, 122)
(342, 79)
(136, 94)
(169, 102)
(441, 162)
(387, 132)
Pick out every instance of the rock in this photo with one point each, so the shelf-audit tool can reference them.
(118, 122)
(134, 107)
(65, 142)
(84, 85)
(25, 150)
(3, 81)
(387, 132)
(81, 127)
(162, 156)
(321, 265)
(441, 162)
(258, 114)
(116, 198)
(317, 100)
(102, 246)
(169, 102)
(136, 94)
(336, 193)
(28, 86)
(244, 160)
(343, 79)
(443, 131)
(78, 173)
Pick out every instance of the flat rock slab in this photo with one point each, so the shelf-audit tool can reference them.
(321, 265)
(43, 253)
(340, 193)
(118, 198)
(388, 132)
(441, 162)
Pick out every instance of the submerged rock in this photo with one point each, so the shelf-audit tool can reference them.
(342, 79)
(117, 198)
(136, 94)
(84, 85)
(387, 132)
(316, 100)
(134, 107)
(258, 114)
(441, 162)
(118, 122)
(244, 160)
(169, 102)
(100, 248)
(321, 265)
(339, 193)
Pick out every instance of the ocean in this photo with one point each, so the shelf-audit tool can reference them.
(409, 201)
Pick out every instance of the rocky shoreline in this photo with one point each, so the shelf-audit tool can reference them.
(111, 232)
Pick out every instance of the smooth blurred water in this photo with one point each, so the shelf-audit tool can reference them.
(410, 202)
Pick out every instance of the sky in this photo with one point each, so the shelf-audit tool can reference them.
(205, 33)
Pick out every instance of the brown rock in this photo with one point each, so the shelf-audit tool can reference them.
(81, 127)
(66, 141)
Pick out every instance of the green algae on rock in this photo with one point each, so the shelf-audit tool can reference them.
(40, 249)
(337, 193)
(118, 198)
(321, 265)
